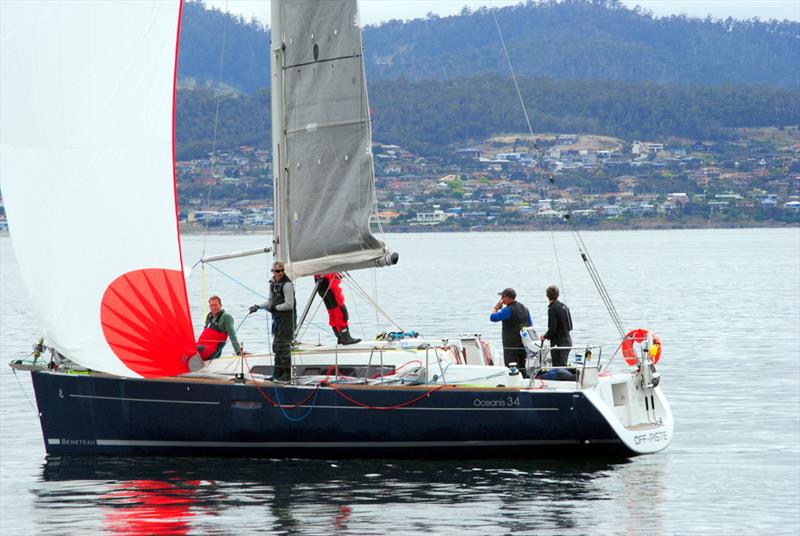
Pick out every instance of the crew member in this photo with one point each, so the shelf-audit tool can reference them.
(284, 319)
(559, 324)
(217, 329)
(514, 317)
(329, 287)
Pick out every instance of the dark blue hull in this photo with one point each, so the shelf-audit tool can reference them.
(94, 414)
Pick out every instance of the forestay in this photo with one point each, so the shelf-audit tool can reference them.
(88, 179)
(323, 157)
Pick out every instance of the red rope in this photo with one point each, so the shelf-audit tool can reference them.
(275, 404)
(398, 369)
(533, 384)
(346, 397)
(388, 408)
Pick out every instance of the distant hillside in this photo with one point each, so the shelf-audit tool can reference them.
(572, 40)
(430, 114)
(246, 52)
(427, 116)
(582, 40)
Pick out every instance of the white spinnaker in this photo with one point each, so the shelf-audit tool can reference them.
(86, 116)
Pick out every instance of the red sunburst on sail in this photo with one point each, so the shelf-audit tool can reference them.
(146, 322)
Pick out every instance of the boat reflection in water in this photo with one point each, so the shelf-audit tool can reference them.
(149, 507)
(210, 495)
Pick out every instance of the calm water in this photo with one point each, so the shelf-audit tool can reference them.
(726, 304)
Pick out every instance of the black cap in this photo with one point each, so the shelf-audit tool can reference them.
(510, 292)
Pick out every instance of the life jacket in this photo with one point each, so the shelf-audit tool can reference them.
(276, 296)
(513, 324)
(213, 337)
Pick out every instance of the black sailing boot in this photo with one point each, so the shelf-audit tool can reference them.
(345, 337)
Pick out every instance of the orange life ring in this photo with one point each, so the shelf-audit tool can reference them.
(639, 336)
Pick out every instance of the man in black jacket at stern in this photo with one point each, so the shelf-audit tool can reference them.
(559, 324)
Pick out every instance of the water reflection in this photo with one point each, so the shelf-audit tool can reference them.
(140, 507)
(208, 495)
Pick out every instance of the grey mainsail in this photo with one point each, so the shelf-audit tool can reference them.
(323, 170)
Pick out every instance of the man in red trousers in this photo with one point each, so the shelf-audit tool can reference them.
(329, 288)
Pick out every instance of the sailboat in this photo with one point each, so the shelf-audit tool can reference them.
(88, 179)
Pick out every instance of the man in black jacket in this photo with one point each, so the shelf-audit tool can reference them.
(559, 324)
(284, 319)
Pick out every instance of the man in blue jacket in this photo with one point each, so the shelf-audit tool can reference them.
(514, 317)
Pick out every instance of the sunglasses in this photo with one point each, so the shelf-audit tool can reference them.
(277, 271)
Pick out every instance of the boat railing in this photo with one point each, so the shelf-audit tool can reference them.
(378, 347)
(585, 364)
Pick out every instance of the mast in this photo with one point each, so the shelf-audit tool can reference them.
(279, 233)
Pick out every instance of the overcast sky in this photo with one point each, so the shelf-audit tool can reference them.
(375, 11)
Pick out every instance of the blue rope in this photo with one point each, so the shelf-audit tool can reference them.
(237, 282)
(277, 397)
(295, 419)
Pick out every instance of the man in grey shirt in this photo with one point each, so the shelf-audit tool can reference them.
(284, 319)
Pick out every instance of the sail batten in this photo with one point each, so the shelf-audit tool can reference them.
(324, 179)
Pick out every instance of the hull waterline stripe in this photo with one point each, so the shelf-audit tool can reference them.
(326, 444)
(147, 400)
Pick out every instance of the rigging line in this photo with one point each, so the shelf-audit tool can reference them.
(310, 321)
(535, 145)
(616, 352)
(357, 311)
(353, 284)
(203, 289)
(613, 309)
(236, 281)
(513, 76)
(23, 391)
(594, 274)
(558, 264)
(267, 318)
(219, 78)
(375, 292)
(598, 283)
(602, 291)
(213, 151)
(357, 316)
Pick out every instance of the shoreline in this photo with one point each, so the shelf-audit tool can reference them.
(422, 229)
(194, 230)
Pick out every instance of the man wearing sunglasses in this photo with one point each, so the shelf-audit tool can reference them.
(284, 319)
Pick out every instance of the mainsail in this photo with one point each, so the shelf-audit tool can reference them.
(87, 173)
(324, 181)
